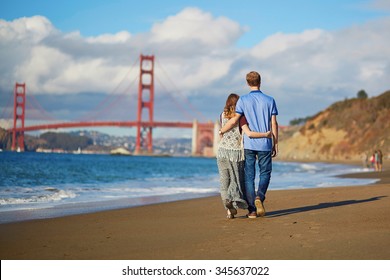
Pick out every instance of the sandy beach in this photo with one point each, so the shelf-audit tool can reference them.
(351, 223)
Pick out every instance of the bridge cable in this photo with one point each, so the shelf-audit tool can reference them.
(178, 105)
(34, 104)
(99, 109)
(185, 98)
(118, 98)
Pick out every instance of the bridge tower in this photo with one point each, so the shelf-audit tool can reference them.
(145, 100)
(204, 137)
(19, 116)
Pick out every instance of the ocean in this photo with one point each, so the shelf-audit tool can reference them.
(39, 185)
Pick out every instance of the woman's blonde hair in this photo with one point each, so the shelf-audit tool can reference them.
(230, 107)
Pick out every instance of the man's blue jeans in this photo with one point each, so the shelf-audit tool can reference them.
(265, 168)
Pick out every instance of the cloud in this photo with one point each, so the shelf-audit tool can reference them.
(192, 25)
(205, 43)
(51, 62)
(197, 58)
(17, 39)
(120, 37)
(279, 43)
(340, 62)
(54, 62)
(383, 5)
(32, 29)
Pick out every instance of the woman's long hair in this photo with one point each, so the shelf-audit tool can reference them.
(230, 107)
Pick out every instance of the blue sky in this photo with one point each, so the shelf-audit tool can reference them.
(310, 53)
(95, 17)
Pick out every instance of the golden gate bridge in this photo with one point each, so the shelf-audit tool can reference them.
(203, 134)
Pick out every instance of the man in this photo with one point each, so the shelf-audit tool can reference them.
(260, 111)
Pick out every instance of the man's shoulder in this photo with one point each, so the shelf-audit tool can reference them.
(245, 96)
(269, 97)
(266, 97)
(257, 95)
(262, 93)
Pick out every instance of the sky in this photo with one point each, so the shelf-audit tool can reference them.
(80, 59)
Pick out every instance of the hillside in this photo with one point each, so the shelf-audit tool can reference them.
(345, 130)
(48, 140)
(5, 139)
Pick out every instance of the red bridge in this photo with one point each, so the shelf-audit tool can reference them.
(203, 134)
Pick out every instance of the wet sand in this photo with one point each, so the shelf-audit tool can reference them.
(350, 223)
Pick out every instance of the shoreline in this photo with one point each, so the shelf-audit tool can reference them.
(70, 209)
(350, 223)
(383, 176)
(74, 208)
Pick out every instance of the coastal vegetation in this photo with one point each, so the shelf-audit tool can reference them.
(346, 130)
(48, 140)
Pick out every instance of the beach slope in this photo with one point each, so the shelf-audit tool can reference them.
(327, 223)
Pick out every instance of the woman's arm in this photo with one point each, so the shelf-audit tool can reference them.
(231, 123)
(254, 134)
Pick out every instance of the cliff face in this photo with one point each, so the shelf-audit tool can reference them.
(344, 131)
(5, 139)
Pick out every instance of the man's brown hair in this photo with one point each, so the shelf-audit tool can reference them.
(253, 79)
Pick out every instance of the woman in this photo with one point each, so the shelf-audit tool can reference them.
(378, 160)
(230, 159)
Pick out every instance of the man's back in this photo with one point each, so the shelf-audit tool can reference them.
(258, 109)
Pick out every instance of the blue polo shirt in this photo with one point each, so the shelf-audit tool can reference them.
(258, 109)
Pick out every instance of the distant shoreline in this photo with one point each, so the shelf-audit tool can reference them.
(383, 177)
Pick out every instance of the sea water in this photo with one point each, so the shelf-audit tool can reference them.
(39, 185)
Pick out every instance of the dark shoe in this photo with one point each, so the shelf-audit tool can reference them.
(252, 215)
(229, 205)
(260, 211)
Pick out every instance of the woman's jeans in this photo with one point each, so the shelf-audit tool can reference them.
(265, 168)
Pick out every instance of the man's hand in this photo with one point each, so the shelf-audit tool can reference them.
(275, 150)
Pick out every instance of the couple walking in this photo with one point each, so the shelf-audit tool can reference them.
(254, 116)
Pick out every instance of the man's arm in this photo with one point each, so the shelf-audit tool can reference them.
(275, 135)
(230, 124)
